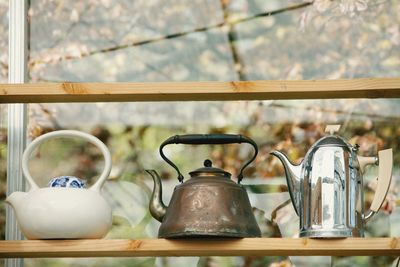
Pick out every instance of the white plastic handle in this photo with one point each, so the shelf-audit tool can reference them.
(68, 133)
(384, 180)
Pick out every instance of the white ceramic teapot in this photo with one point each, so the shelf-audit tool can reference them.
(63, 212)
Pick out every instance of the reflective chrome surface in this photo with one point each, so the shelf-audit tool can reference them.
(293, 178)
(330, 194)
(326, 189)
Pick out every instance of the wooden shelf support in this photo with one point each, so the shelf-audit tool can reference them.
(200, 247)
(195, 91)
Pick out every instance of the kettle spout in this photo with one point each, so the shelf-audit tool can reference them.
(292, 173)
(16, 199)
(156, 205)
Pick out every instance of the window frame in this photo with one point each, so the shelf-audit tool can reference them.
(17, 113)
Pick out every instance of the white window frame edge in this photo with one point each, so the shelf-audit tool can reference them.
(17, 113)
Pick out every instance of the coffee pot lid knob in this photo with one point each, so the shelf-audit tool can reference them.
(332, 128)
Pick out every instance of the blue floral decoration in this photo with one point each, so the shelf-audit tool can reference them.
(67, 181)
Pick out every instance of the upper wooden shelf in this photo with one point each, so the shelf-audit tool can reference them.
(200, 247)
(195, 91)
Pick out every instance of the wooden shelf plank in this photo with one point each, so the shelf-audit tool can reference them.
(206, 91)
(200, 247)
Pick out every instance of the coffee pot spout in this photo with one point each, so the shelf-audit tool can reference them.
(156, 205)
(292, 173)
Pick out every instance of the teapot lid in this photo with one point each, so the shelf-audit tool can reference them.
(208, 170)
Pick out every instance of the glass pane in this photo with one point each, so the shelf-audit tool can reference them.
(129, 41)
(211, 40)
(326, 40)
(198, 56)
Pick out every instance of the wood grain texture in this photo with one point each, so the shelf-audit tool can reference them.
(201, 247)
(205, 91)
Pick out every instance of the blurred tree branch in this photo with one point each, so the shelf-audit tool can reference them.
(229, 23)
(238, 67)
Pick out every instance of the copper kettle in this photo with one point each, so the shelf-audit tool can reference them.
(209, 203)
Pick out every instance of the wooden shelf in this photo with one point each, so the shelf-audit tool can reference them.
(195, 91)
(200, 91)
(200, 247)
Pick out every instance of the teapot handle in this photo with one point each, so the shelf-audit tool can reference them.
(208, 139)
(68, 133)
(384, 179)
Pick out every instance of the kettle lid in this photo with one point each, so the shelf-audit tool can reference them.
(208, 170)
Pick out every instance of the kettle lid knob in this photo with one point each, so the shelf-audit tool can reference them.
(207, 163)
(332, 128)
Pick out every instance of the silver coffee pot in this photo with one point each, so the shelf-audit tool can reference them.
(326, 188)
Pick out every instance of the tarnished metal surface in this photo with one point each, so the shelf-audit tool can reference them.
(205, 206)
(209, 203)
(156, 206)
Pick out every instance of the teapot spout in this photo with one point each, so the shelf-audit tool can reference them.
(292, 173)
(156, 205)
(16, 199)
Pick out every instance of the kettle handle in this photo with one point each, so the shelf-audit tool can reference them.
(384, 179)
(68, 133)
(208, 139)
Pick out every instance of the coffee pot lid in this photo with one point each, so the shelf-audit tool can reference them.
(208, 170)
(331, 139)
